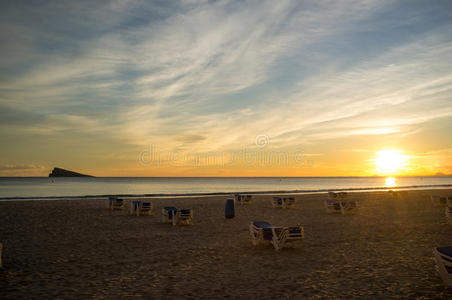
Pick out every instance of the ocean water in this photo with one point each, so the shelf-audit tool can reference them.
(37, 187)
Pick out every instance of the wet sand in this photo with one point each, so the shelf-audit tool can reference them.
(78, 249)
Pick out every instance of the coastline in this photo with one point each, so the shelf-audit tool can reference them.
(269, 192)
(75, 249)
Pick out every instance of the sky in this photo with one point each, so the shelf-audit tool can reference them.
(226, 88)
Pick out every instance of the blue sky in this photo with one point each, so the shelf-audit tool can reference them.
(89, 85)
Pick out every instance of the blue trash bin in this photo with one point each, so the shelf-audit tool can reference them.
(229, 209)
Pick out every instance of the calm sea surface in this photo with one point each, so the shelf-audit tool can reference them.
(59, 187)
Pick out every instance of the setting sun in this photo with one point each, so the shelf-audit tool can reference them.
(390, 161)
(390, 182)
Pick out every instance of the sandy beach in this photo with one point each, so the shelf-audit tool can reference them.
(78, 249)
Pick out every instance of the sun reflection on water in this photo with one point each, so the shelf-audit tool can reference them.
(390, 182)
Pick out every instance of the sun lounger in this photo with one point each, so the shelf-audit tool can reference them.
(243, 199)
(332, 195)
(289, 202)
(237, 198)
(350, 205)
(342, 195)
(277, 202)
(333, 206)
(168, 214)
(183, 216)
(134, 206)
(443, 259)
(115, 203)
(439, 200)
(171, 214)
(342, 207)
(247, 200)
(338, 195)
(398, 194)
(261, 231)
(144, 208)
(449, 214)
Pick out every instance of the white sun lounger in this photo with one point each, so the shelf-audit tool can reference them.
(171, 214)
(115, 203)
(168, 214)
(333, 206)
(261, 231)
(338, 195)
(342, 207)
(443, 259)
(183, 216)
(145, 208)
(279, 202)
(289, 202)
(243, 199)
(138, 207)
(439, 200)
(448, 212)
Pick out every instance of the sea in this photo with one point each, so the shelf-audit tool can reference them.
(51, 188)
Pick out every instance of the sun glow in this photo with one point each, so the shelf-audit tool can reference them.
(390, 162)
(390, 182)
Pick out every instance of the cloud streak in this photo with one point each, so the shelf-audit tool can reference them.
(200, 76)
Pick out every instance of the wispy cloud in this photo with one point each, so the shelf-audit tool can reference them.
(200, 76)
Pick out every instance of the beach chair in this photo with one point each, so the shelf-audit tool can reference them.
(261, 231)
(238, 198)
(168, 214)
(277, 202)
(342, 195)
(403, 194)
(443, 259)
(449, 214)
(247, 199)
(289, 202)
(134, 206)
(439, 200)
(332, 195)
(333, 206)
(243, 199)
(115, 203)
(144, 208)
(392, 193)
(398, 194)
(183, 216)
(349, 206)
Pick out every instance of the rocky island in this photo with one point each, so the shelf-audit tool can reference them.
(58, 172)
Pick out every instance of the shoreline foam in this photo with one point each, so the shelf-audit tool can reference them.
(270, 192)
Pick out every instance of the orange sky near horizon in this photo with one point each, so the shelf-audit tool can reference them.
(226, 88)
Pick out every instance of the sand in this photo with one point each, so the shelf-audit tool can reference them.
(77, 249)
